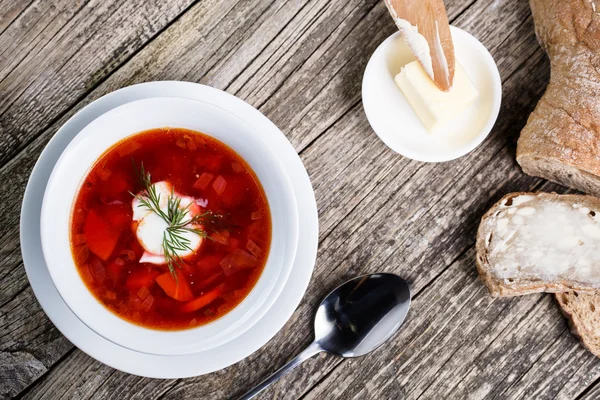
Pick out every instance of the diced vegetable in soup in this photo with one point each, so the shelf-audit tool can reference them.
(170, 229)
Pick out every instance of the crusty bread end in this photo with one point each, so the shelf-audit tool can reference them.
(560, 173)
(560, 140)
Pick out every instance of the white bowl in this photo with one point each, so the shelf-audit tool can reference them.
(75, 163)
(393, 119)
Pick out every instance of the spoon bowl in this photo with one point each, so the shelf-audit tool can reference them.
(354, 319)
(360, 315)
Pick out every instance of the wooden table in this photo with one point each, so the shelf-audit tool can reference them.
(300, 62)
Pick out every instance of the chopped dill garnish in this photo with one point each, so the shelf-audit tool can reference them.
(176, 218)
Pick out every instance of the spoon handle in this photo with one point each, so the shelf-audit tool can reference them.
(307, 353)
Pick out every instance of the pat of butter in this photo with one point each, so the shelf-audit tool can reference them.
(434, 107)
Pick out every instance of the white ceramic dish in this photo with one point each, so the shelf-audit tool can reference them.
(279, 308)
(393, 119)
(129, 119)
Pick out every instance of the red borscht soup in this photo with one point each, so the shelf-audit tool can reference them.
(170, 229)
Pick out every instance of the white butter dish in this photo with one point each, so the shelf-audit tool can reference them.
(394, 120)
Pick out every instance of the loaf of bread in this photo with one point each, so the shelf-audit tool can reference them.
(583, 313)
(561, 141)
(540, 242)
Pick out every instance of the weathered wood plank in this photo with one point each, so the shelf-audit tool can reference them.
(563, 371)
(29, 343)
(10, 10)
(32, 30)
(61, 53)
(96, 380)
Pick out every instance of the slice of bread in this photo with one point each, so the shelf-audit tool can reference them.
(540, 242)
(583, 312)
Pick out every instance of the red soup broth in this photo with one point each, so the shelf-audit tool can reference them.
(211, 281)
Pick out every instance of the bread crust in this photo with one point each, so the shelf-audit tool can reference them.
(574, 307)
(501, 288)
(561, 140)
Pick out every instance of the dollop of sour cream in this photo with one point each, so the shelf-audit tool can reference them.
(151, 227)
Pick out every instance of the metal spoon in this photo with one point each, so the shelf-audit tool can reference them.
(354, 319)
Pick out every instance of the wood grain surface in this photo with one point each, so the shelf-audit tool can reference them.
(301, 63)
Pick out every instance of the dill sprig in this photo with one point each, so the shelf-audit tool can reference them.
(174, 239)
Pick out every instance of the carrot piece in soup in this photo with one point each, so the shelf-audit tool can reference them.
(219, 185)
(178, 290)
(238, 259)
(191, 144)
(203, 300)
(101, 238)
(204, 180)
(140, 278)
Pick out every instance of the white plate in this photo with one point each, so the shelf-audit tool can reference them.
(393, 119)
(264, 157)
(153, 365)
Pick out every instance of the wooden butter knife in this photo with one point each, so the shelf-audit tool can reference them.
(424, 24)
